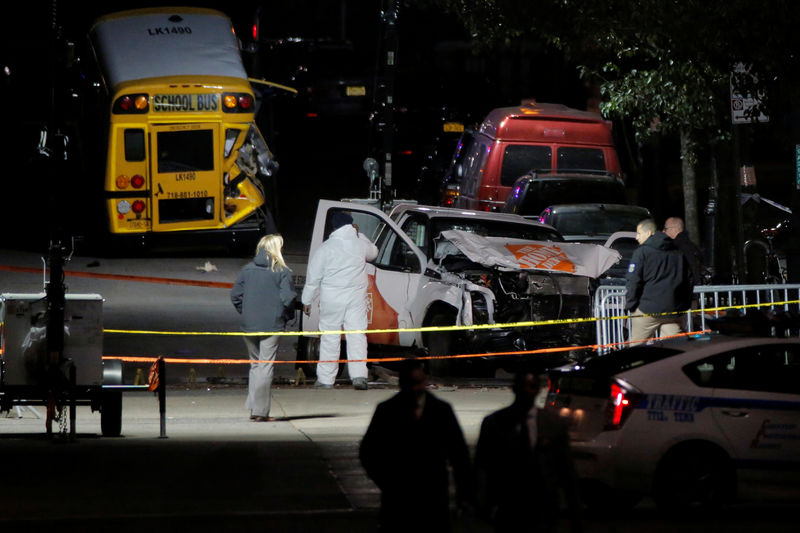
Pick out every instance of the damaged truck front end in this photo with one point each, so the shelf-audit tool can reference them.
(546, 302)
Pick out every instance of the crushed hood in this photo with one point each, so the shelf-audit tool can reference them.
(515, 254)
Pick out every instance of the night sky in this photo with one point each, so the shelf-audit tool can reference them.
(437, 78)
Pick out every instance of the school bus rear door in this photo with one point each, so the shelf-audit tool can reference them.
(186, 176)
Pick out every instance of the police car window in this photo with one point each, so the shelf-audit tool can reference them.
(628, 358)
(768, 368)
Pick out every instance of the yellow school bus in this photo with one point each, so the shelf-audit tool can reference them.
(183, 151)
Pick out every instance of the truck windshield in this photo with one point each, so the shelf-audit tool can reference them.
(496, 228)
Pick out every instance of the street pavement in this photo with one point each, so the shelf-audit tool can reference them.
(170, 293)
(215, 470)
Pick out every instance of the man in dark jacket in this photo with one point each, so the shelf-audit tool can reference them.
(673, 227)
(522, 461)
(406, 450)
(659, 285)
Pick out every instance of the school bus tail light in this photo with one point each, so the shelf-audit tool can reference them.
(137, 206)
(131, 104)
(137, 181)
(237, 103)
(122, 181)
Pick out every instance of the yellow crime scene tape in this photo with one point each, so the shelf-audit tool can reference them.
(431, 329)
(183, 360)
(424, 329)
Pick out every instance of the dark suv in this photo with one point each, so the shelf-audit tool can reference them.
(535, 191)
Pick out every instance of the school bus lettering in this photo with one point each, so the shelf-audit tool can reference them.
(186, 176)
(185, 102)
(174, 30)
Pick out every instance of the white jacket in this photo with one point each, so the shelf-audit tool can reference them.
(339, 264)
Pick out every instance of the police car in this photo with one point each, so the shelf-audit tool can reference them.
(695, 422)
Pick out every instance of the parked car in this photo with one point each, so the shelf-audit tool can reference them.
(532, 136)
(688, 422)
(593, 222)
(535, 191)
(444, 267)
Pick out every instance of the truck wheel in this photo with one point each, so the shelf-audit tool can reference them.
(440, 343)
(111, 413)
(308, 350)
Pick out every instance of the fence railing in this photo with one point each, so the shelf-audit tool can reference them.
(713, 302)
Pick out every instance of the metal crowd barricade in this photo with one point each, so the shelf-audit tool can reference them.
(714, 301)
(612, 318)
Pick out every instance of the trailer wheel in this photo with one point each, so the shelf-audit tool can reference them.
(111, 413)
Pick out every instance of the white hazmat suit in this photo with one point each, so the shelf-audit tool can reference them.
(337, 272)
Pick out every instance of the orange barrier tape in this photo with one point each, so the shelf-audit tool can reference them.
(179, 360)
(125, 277)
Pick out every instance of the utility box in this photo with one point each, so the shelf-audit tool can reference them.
(23, 338)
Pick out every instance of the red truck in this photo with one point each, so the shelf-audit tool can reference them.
(512, 141)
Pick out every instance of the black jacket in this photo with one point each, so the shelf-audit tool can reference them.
(408, 459)
(692, 254)
(659, 278)
(518, 485)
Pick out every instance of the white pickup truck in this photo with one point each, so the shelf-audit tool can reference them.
(442, 267)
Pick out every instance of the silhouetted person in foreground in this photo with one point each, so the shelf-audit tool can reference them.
(521, 462)
(406, 450)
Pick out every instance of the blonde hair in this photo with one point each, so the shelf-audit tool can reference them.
(272, 245)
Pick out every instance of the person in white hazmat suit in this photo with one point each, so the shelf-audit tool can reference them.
(337, 272)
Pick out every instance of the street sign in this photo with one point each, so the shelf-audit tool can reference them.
(742, 104)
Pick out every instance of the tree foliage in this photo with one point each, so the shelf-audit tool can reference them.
(663, 60)
(665, 65)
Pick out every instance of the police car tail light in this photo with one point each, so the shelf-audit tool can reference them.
(620, 406)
